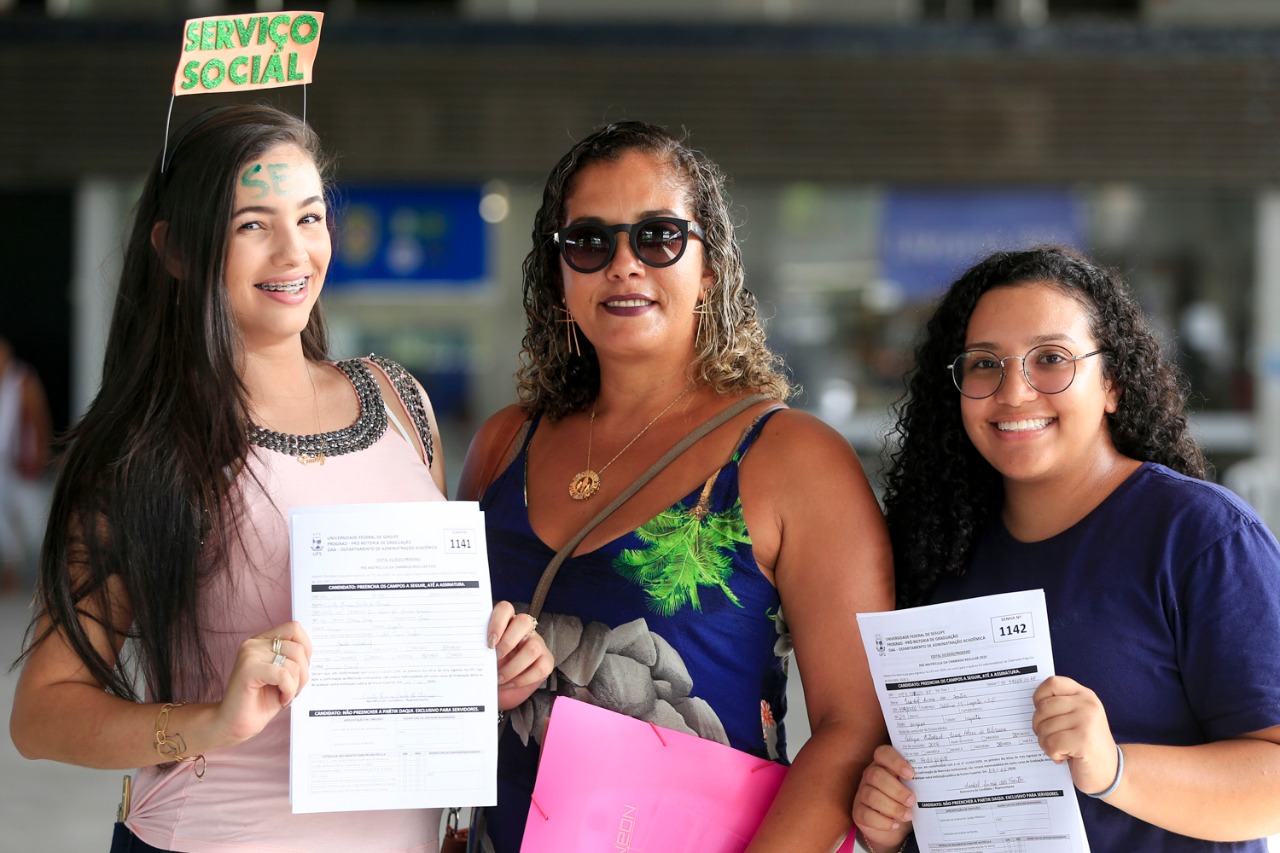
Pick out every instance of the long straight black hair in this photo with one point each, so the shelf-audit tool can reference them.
(145, 504)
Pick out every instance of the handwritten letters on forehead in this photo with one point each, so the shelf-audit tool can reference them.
(266, 180)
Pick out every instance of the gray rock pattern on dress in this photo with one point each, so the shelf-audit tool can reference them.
(628, 669)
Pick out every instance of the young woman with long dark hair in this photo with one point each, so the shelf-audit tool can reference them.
(163, 637)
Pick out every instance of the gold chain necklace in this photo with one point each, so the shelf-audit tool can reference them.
(318, 455)
(306, 449)
(587, 482)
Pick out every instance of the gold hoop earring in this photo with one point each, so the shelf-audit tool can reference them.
(570, 332)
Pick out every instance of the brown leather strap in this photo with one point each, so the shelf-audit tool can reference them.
(549, 574)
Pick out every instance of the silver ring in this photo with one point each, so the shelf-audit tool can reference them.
(535, 624)
(275, 646)
(279, 659)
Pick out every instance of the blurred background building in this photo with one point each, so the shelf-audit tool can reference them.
(876, 146)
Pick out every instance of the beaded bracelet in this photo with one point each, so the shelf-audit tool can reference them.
(172, 747)
(1115, 783)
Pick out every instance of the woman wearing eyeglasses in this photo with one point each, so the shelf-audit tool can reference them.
(682, 606)
(1044, 445)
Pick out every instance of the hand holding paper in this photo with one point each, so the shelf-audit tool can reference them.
(882, 807)
(524, 661)
(1072, 726)
(955, 684)
(258, 687)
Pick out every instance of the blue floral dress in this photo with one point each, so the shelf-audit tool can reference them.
(672, 623)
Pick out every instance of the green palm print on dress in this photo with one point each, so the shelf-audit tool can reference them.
(685, 550)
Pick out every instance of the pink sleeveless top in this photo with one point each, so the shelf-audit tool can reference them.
(242, 803)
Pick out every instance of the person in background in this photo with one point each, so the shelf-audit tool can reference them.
(682, 607)
(218, 411)
(26, 438)
(1044, 444)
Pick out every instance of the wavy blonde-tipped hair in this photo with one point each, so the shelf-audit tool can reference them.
(731, 355)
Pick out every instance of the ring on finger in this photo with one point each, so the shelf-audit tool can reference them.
(278, 660)
(275, 645)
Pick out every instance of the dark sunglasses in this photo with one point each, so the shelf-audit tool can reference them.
(657, 242)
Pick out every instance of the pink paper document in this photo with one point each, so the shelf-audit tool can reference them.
(607, 781)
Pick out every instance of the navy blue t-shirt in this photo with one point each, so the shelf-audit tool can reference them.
(1165, 601)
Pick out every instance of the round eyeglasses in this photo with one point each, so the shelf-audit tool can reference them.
(658, 242)
(1048, 369)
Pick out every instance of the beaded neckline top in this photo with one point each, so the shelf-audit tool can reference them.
(369, 426)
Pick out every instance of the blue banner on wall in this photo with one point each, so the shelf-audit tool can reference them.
(410, 237)
(929, 237)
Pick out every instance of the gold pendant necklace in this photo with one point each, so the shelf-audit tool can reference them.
(318, 456)
(587, 482)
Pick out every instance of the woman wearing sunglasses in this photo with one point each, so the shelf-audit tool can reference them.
(682, 606)
(1044, 445)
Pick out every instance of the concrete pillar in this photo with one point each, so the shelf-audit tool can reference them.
(1266, 332)
(1257, 480)
(100, 215)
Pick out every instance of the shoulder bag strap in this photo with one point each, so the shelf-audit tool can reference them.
(549, 574)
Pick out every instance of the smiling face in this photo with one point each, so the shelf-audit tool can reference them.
(279, 246)
(629, 308)
(1027, 436)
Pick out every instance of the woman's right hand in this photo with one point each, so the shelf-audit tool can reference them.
(882, 806)
(61, 713)
(258, 688)
(524, 661)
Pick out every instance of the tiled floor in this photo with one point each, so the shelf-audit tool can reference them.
(45, 805)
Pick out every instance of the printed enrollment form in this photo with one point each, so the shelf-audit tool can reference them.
(955, 683)
(401, 709)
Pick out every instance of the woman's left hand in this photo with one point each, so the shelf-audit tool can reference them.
(524, 661)
(1071, 725)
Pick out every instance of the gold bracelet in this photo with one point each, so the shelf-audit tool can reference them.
(172, 747)
(862, 839)
(871, 849)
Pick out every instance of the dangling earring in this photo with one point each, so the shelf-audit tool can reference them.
(703, 333)
(570, 332)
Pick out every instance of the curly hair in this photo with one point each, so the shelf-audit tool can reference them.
(939, 491)
(731, 354)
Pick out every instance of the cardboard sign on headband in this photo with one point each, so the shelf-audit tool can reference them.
(243, 52)
(239, 53)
